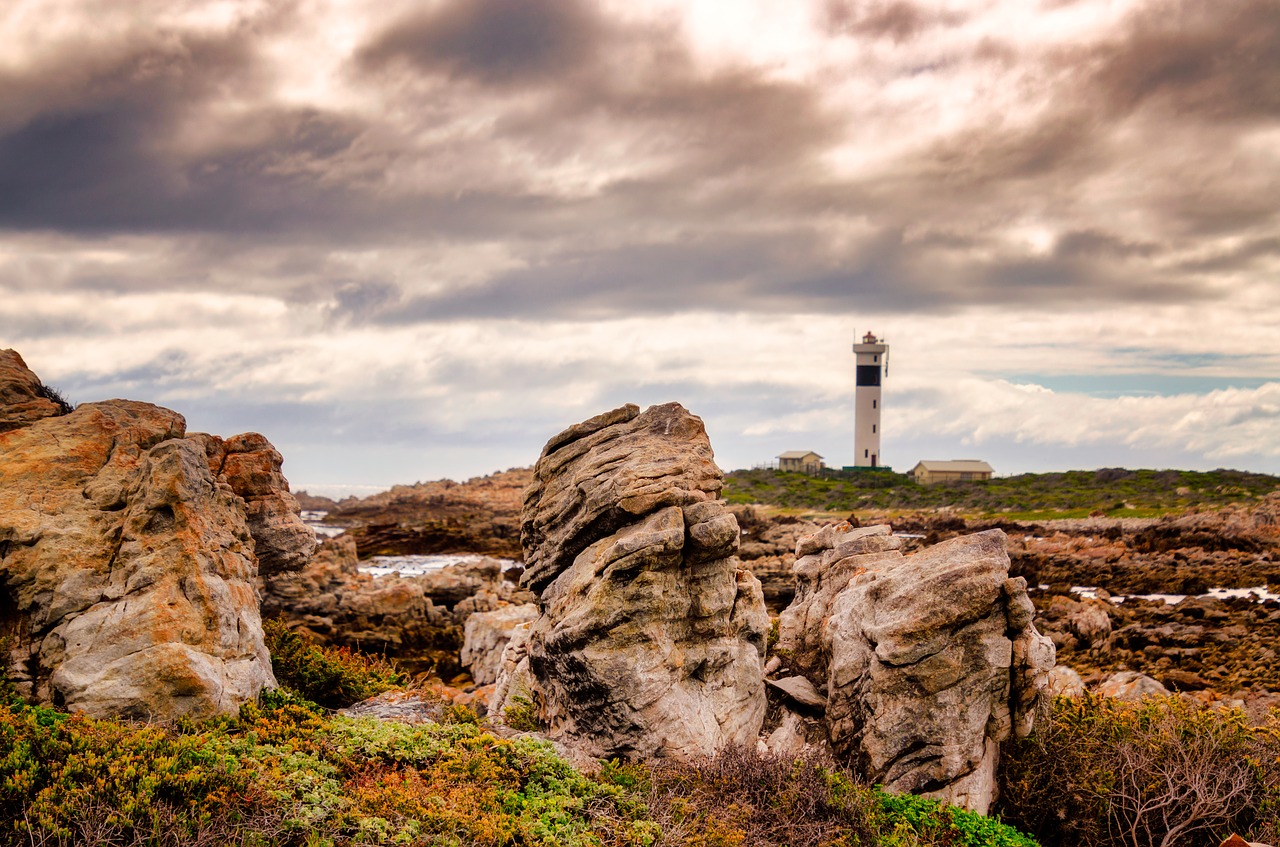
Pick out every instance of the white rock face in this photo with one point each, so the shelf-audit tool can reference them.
(930, 660)
(485, 637)
(650, 638)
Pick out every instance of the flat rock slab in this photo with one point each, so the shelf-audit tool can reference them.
(801, 690)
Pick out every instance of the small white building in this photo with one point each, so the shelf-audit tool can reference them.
(803, 461)
(930, 471)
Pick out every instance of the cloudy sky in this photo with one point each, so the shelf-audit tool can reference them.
(410, 240)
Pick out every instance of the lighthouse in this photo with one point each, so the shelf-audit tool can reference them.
(872, 364)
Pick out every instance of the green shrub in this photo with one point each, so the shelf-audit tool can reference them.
(333, 677)
(1162, 772)
(284, 771)
(522, 714)
(908, 819)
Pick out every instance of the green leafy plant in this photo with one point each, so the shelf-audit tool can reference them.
(522, 714)
(333, 677)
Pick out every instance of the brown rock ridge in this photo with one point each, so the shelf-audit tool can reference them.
(128, 557)
(481, 515)
(23, 397)
(650, 634)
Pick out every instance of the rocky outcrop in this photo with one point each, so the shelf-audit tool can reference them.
(23, 397)
(481, 515)
(252, 467)
(416, 620)
(128, 564)
(650, 637)
(928, 662)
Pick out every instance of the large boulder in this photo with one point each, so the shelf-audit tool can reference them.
(928, 661)
(651, 636)
(1131, 686)
(127, 564)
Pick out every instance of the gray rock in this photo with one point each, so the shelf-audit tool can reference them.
(801, 690)
(932, 659)
(485, 636)
(650, 637)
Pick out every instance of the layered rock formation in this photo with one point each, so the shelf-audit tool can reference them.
(927, 661)
(128, 555)
(481, 515)
(650, 637)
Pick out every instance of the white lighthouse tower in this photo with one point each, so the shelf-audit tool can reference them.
(872, 363)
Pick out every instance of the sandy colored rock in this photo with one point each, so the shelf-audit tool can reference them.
(252, 467)
(485, 637)
(933, 661)
(650, 638)
(1065, 682)
(1131, 686)
(128, 567)
(22, 394)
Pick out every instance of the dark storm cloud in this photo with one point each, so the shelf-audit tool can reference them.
(499, 42)
(1219, 61)
(722, 195)
(106, 154)
(898, 20)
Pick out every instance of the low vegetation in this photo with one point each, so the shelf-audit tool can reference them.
(285, 771)
(332, 677)
(1111, 491)
(1162, 773)
(48, 392)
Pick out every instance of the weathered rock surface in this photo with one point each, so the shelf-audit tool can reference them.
(1131, 686)
(825, 562)
(929, 661)
(127, 563)
(485, 636)
(416, 620)
(251, 466)
(650, 638)
(481, 515)
(22, 394)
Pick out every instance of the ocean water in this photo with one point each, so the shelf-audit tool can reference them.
(1257, 595)
(419, 565)
(315, 520)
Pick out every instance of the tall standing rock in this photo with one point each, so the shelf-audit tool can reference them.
(650, 637)
(127, 563)
(931, 660)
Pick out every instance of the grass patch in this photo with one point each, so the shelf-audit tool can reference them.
(1113, 491)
